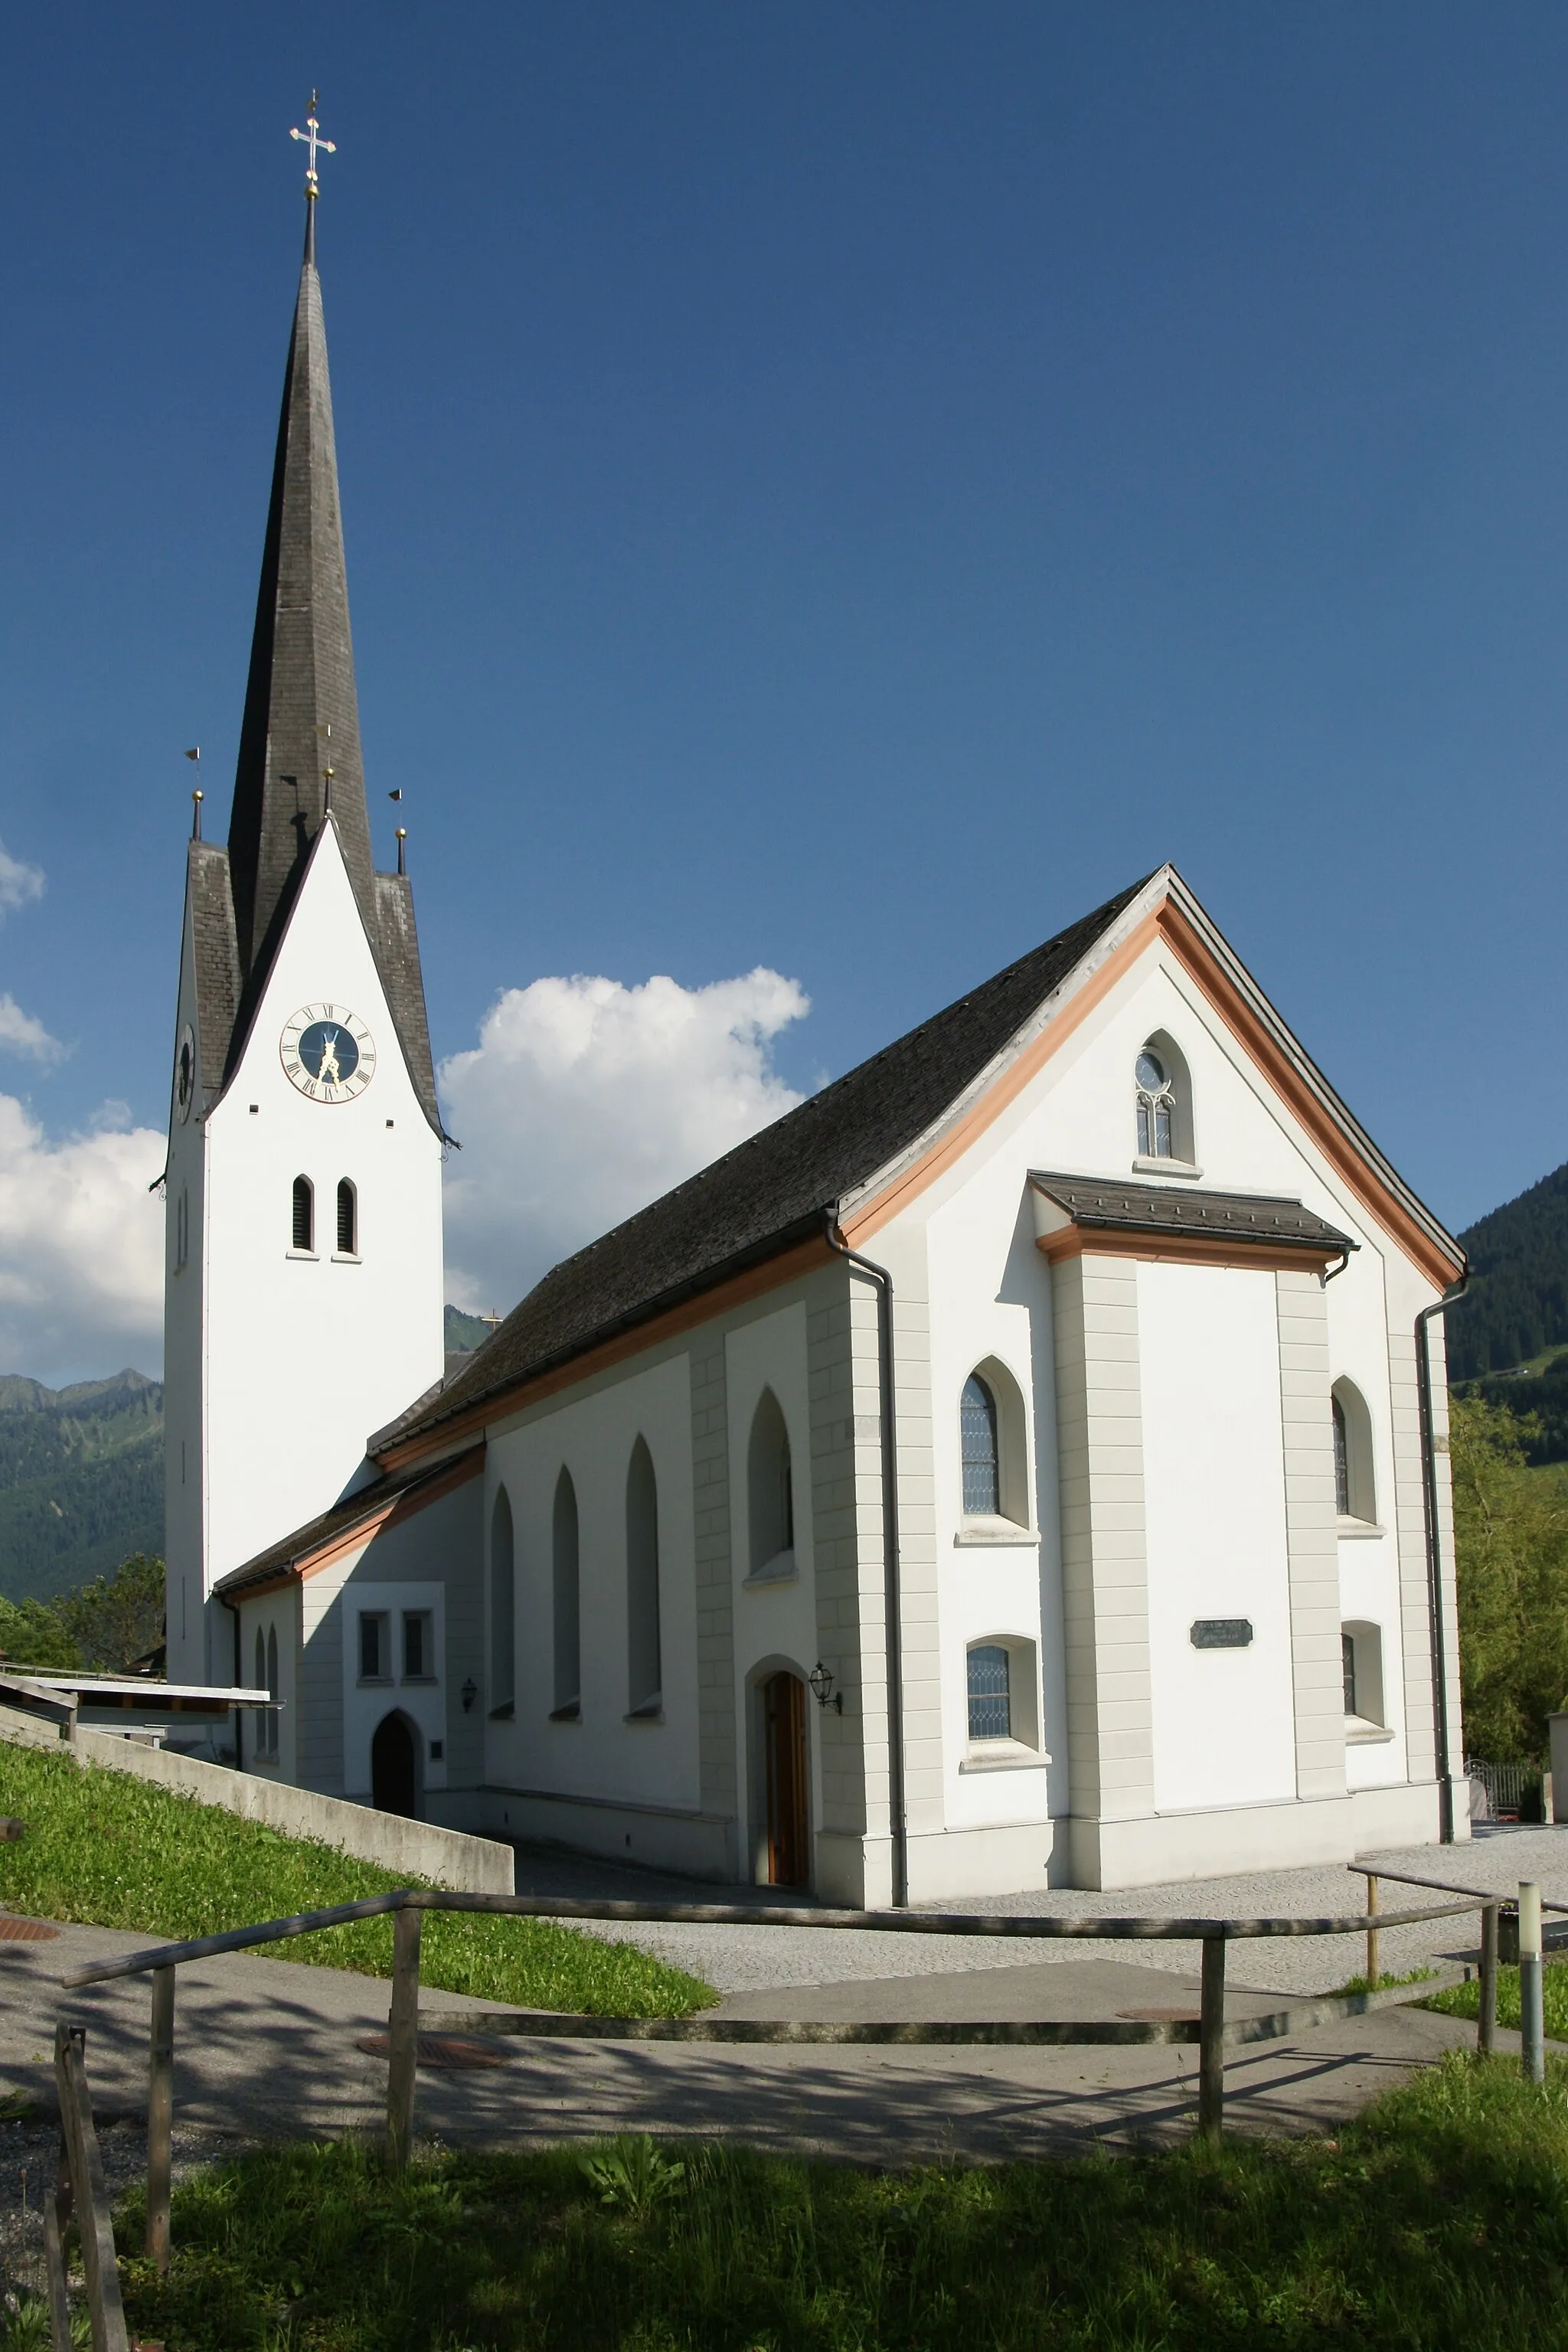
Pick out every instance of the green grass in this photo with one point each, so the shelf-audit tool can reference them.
(1465, 1999)
(1440, 2220)
(116, 1852)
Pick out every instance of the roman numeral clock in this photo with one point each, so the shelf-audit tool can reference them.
(327, 1053)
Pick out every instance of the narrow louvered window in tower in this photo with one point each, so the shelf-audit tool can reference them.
(304, 1213)
(348, 1220)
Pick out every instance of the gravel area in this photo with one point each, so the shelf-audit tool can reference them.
(743, 1959)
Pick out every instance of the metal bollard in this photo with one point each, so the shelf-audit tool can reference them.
(1486, 2026)
(1531, 2020)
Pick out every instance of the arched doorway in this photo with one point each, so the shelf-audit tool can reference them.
(784, 1745)
(394, 1769)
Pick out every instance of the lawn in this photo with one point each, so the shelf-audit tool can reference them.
(116, 1852)
(1465, 1999)
(1440, 2220)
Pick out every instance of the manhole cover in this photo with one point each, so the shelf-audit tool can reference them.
(24, 1931)
(439, 2049)
(1159, 2016)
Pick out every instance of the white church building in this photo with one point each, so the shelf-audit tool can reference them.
(1022, 1463)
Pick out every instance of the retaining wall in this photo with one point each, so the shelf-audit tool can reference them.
(470, 1865)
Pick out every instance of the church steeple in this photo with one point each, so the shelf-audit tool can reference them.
(300, 740)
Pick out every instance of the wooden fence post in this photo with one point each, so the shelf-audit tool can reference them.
(403, 2035)
(1211, 2043)
(1371, 1958)
(1486, 2025)
(91, 2194)
(56, 2218)
(161, 2117)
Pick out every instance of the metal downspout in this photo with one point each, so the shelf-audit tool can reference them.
(890, 1586)
(1435, 1554)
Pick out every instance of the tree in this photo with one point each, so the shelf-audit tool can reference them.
(31, 1635)
(118, 1618)
(1510, 1529)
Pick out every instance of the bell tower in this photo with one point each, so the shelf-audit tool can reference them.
(303, 1269)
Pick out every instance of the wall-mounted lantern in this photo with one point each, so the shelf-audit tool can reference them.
(821, 1682)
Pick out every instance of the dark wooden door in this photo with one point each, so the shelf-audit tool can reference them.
(394, 1776)
(784, 1716)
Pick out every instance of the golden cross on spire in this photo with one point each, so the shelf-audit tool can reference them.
(311, 135)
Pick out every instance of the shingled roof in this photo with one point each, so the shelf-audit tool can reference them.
(1105, 1205)
(769, 1193)
(302, 716)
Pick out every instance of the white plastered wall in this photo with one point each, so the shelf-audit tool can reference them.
(775, 1620)
(1076, 1115)
(601, 1757)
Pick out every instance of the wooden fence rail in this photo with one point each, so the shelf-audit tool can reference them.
(408, 1905)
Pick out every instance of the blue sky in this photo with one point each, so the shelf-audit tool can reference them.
(835, 489)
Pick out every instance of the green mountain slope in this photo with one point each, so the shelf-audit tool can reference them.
(1517, 1300)
(81, 1480)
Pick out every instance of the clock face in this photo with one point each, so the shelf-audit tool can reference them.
(186, 1071)
(327, 1053)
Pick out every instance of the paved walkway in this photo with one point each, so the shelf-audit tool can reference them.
(266, 2048)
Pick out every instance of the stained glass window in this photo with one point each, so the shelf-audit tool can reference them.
(977, 1422)
(990, 1705)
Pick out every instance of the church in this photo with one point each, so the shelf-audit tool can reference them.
(1021, 1465)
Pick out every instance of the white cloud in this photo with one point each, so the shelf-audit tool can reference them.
(585, 1099)
(20, 1033)
(19, 882)
(81, 1258)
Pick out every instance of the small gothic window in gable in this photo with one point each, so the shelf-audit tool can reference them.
(977, 1428)
(1156, 1107)
(304, 1213)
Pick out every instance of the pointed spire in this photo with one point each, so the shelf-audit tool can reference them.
(300, 741)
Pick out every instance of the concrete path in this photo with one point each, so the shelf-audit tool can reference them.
(267, 2049)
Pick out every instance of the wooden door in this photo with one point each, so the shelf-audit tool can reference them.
(783, 1719)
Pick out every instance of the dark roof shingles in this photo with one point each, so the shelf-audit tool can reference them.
(770, 1189)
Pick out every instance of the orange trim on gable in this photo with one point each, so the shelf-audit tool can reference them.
(1166, 921)
(1374, 1196)
(957, 1138)
(1184, 1249)
(772, 1273)
(407, 1505)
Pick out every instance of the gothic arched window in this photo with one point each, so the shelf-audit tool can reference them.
(304, 1213)
(977, 1430)
(644, 1673)
(770, 1490)
(503, 1608)
(566, 1598)
(348, 1219)
(1156, 1107)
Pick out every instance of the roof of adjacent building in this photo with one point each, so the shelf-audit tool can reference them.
(301, 718)
(1104, 1205)
(405, 1488)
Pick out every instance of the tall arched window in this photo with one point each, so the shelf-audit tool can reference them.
(304, 1213)
(1341, 1469)
(565, 1595)
(977, 1426)
(1162, 1093)
(643, 1663)
(770, 1490)
(503, 1609)
(1355, 1482)
(348, 1219)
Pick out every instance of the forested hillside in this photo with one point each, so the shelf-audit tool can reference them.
(1518, 1302)
(81, 1480)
